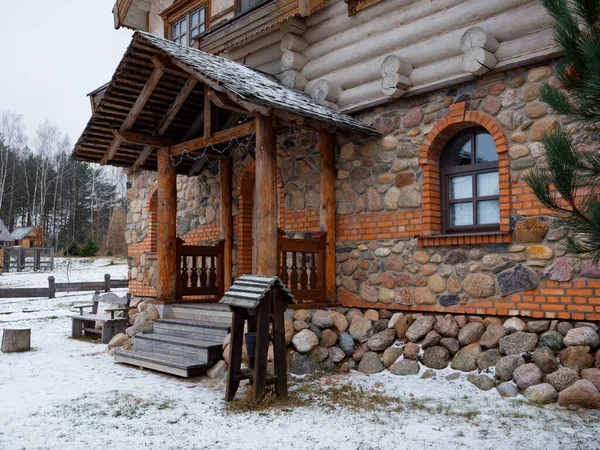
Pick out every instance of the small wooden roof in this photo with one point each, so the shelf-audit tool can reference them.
(158, 94)
(249, 290)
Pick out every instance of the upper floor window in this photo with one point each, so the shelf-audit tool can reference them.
(241, 6)
(470, 188)
(189, 26)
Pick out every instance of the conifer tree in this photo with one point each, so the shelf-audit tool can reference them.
(570, 187)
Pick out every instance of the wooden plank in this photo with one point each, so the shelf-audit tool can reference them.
(299, 245)
(279, 356)
(235, 354)
(132, 137)
(24, 292)
(223, 102)
(217, 138)
(226, 219)
(327, 212)
(262, 346)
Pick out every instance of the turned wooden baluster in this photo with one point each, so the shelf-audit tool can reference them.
(194, 276)
(284, 269)
(303, 272)
(212, 277)
(313, 271)
(294, 276)
(203, 275)
(184, 273)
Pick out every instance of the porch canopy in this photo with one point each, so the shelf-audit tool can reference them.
(165, 94)
(166, 100)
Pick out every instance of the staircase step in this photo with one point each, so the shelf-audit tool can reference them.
(194, 324)
(180, 366)
(203, 312)
(179, 346)
(202, 334)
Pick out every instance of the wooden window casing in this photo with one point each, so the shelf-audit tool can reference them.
(186, 20)
(473, 170)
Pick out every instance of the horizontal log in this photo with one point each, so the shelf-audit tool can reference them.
(478, 61)
(263, 55)
(238, 53)
(394, 64)
(272, 67)
(293, 79)
(82, 286)
(293, 43)
(504, 17)
(217, 138)
(478, 37)
(24, 292)
(395, 85)
(294, 25)
(324, 90)
(292, 61)
(133, 137)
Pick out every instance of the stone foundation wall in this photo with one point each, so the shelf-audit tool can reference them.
(381, 197)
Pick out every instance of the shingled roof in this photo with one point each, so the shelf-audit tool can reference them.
(238, 81)
(4, 233)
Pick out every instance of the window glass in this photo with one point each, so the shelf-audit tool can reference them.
(461, 157)
(461, 214)
(488, 212)
(486, 148)
(461, 187)
(487, 184)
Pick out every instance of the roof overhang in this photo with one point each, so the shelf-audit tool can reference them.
(132, 14)
(164, 94)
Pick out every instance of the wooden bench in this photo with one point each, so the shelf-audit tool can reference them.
(86, 323)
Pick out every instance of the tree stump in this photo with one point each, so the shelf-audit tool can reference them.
(16, 340)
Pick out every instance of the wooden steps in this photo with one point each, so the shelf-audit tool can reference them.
(185, 343)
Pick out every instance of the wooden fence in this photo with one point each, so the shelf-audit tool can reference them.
(54, 287)
(200, 270)
(19, 259)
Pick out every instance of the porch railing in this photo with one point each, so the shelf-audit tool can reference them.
(201, 270)
(302, 269)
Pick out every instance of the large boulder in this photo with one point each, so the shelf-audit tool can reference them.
(544, 358)
(360, 329)
(451, 344)
(582, 393)
(302, 364)
(492, 335)
(371, 363)
(592, 375)
(582, 336)
(411, 351)
(466, 358)
(218, 371)
(328, 338)
(530, 231)
(432, 338)
(517, 280)
(420, 327)
(470, 333)
(305, 341)
(562, 378)
(340, 323)
(538, 326)
(480, 285)
(507, 365)
(400, 322)
(483, 382)
(347, 343)
(289, 331)
(518, 342)
(541, 394)
(390, 355)
(576, 358)
(322, 319)
(319, 354)
(382, 340)
(507, 390)
(447, 326)
(552, 339)
(118, 340)
(336, 354)
(515, 324)
(405, 367)
(527, 375)
(488, 359)
(436, 357)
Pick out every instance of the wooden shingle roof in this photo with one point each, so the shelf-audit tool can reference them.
(248, 290)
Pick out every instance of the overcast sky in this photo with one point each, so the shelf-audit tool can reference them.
(52, 53)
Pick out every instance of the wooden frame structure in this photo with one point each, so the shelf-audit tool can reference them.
(179, 100)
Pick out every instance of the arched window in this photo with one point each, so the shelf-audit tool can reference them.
(470, 189)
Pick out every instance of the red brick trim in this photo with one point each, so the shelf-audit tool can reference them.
(245, 194)
(429, 159)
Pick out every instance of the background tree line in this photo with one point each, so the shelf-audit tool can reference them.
(75, 203)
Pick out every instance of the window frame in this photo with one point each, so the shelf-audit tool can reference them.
(183, 11)
(473, 169)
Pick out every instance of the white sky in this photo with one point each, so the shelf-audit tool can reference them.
(54, 52)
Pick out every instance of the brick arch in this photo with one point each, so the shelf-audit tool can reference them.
(429, 160)
(245, 195)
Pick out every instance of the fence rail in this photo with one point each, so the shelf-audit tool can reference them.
(20, 259)
(302, 269)
(53, 288)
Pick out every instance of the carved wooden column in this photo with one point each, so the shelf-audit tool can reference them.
(265, 197)
(226, 219)
(167, 228)
(327, 212)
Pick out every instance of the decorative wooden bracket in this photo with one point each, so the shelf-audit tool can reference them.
(479, 47)
(395, 72)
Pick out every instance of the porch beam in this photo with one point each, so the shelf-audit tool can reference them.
(223, 102)
(143, 139)
(134, 112)
(165, 122)
(167, 228)
(226, 219)
(217, 138)
(327, 211)
(265, 197)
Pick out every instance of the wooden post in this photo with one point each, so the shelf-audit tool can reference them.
(265, 196)
(52, 259)
(16, 340)
(279, 357)
(327, 212)
(51, 287)
(167, 228)
(262, 346)
(226, 219)
(235, 353)
(107, 282)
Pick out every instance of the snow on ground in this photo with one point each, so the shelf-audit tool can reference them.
(68, 394)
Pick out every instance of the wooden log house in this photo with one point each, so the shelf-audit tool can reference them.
(370, 153)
